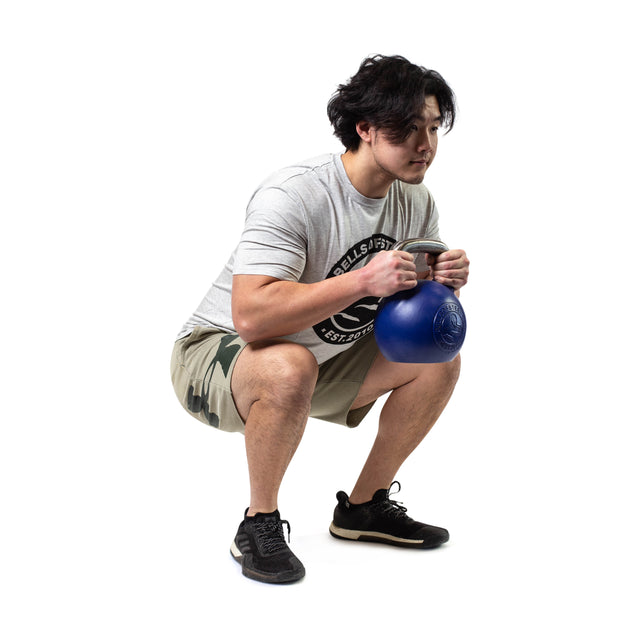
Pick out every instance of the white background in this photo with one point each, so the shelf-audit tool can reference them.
(132, 135)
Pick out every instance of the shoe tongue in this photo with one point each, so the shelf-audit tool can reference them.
(380, 495)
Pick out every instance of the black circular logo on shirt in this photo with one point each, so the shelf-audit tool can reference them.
(356, 321)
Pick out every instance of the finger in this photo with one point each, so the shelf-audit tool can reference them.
(451, 277)
(408, 283)
(405, 255)
(406, 261)
(451, 270)
(451, 273)
(450, 254)
(451, 263)
(446, 267)
(454, 283)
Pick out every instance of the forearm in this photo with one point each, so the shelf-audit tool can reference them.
(265, 307)
(278, 307)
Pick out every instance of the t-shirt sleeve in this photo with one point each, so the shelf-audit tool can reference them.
(274, 240)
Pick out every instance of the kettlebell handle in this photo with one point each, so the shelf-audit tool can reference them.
(420, 245)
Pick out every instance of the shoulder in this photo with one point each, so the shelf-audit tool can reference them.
(311, 169)
(302, 183)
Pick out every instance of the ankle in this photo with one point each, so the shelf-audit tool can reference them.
(358, 498)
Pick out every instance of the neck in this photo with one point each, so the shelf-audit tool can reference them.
(365, 175)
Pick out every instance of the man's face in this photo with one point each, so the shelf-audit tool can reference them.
(408, 161)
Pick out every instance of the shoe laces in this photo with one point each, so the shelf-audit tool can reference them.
(393, 508)
(270, 534)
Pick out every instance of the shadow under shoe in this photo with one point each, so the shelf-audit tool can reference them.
(383, 520)
(263, 553)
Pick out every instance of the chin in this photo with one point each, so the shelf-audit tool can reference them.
(412, 179)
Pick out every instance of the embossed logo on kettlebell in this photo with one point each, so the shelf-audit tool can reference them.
(449, 326)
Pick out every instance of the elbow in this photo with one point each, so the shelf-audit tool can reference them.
(251, 312)
(248, 327)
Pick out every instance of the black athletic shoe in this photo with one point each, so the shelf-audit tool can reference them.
(260, 547)
(383, 520)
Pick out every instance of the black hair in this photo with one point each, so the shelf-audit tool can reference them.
(388, 92)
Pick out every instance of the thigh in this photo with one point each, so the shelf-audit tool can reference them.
(385, 376)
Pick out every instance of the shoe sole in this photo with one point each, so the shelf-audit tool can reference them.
(385, 538)
(269, 578)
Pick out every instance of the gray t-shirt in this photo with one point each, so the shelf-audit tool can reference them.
(306, 223)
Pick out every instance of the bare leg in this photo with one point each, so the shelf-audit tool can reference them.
(272, 385)
(420, 394)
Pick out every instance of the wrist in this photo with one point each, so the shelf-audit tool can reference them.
(362, 282)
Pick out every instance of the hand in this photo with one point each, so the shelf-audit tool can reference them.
(389, 272)
(451, 268)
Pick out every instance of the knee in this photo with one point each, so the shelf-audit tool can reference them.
(454, 367)
(287, 371)
(451, 371)
(443, 375)
(295, 366)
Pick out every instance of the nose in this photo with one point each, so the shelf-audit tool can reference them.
(426, 141)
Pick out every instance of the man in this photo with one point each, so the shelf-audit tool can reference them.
(285, 331)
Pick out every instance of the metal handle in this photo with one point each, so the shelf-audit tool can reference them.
(420, 245)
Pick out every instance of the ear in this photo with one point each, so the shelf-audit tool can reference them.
(364, 130)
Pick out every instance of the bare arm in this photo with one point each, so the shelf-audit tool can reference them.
(264, 307)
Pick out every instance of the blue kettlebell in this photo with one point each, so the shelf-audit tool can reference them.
(423, 324)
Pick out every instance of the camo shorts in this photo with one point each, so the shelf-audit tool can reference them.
(202, 365)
